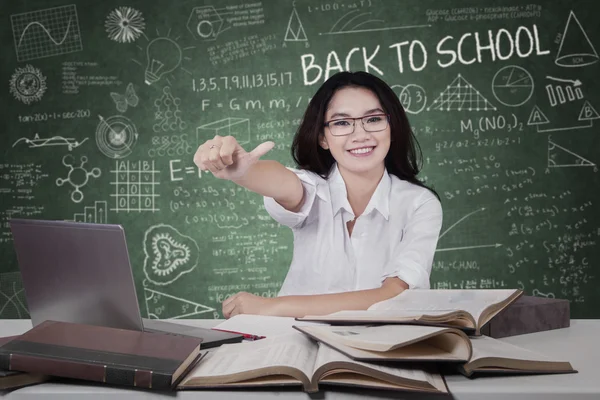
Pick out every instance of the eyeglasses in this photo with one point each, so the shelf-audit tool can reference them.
(370, 123)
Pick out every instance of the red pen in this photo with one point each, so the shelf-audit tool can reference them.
(245, 335)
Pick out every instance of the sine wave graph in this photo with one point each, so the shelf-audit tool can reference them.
(46, 33)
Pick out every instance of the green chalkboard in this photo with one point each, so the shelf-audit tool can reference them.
(106, 102)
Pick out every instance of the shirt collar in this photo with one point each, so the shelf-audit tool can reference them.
(380, 200)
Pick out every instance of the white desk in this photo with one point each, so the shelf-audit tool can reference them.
(578, 344)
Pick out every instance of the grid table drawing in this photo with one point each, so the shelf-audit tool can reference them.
(135, 185)
(45, 33)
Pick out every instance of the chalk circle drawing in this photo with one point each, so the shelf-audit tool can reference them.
(46, 33)
(412, 97)
(168, 113)
(460, 95)
(575, 49)
(124, 24)
(27, 84)
(512, 85)
(168, 254)
(115, 136)
(77, 177)
(205, 23)
(123, 101)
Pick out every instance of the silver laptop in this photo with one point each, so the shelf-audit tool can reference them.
(80, 272)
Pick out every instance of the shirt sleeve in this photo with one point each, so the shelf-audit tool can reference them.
(289, 218)
(413, 257)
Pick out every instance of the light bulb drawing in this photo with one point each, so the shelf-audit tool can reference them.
(163, 56)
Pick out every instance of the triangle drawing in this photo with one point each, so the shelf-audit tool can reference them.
(560, 157)
(576, 49)
(537, 117)
(167, 303)
(295, 30)
(461, 95)
(588, 112)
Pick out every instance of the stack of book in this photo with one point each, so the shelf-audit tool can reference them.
(404, 343)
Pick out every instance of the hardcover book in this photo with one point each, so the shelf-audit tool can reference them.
(468, 310)
(102, 354)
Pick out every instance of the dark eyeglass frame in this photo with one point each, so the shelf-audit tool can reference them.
(387, 116)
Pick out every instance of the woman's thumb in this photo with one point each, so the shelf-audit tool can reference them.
(262, 149)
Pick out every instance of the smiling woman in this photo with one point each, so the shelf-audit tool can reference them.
(365, 227)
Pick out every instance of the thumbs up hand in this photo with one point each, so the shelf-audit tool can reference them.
(226, 159)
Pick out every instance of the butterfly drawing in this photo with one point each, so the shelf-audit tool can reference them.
(123, 100)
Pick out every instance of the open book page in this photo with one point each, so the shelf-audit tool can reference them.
(246, 358)
(441, 301)
(430, 344)
(261, 325)
(411, 377)
(377, 338)
(491, 355)
(487, 347)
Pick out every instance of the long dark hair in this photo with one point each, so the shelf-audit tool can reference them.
(404, 159)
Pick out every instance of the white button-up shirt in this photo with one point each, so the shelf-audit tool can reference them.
(396, 235)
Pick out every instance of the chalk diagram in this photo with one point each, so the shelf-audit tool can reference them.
(494, 245)
(12, 295)
(205, 23)
(134, 186)
(236, 127)
(123, 101)
(157, 303)
(294, 32)
(71, 143)
(28, 84)
(168, 113)
(561, 157)
(587, 115)
(575, 49)
(170, 145)
(168, 254)
(115, 136)
(512, 85)
(96, 214)
(566, 90)
(461, 95)
(412, 97)
(124, 24)
(162, 56)
(46, 33)
(77, 177)
(356, 21)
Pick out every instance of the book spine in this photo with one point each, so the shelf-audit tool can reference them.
(89, 371)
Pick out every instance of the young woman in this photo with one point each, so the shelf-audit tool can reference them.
(365, 228)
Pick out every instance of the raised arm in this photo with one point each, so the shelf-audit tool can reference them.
(226, 159)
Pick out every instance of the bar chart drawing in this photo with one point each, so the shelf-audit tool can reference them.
(564, 91)
(95, 214)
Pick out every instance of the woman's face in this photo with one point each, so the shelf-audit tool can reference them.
(364, 149)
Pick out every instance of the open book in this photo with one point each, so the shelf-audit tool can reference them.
(493, 356)
(295, 359)
(405, 343)
(468, 310)
(394, 342)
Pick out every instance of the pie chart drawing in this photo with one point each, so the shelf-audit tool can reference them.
(512, 86)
